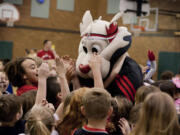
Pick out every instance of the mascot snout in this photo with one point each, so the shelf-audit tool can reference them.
(84, 68)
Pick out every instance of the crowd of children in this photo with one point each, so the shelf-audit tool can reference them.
(50, 101)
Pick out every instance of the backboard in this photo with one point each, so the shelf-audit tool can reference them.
(9, 13)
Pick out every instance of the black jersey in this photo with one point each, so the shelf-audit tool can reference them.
(90, 131)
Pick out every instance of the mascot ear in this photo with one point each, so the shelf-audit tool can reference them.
(116, 17)
(86, 20)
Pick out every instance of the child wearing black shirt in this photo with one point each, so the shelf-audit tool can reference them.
(96, 108)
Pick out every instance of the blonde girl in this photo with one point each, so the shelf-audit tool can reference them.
(158, 116)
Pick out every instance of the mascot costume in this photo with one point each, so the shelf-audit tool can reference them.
(121, 75)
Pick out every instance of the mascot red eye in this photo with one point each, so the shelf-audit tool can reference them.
(85, 49)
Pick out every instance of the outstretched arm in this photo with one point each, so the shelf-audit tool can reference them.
(43, 74)
(95, 64)
(61, 71)
(71, 75)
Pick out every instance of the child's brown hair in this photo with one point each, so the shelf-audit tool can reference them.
(143, 91)
(166, 75)
(9, 107)
(40, 121)
(15, 71)
(72, 116)
(168, 87)
(28, 100)
(121, 109)
(124, 107)
(97, 103)
(135, 113)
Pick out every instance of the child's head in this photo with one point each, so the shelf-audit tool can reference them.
(124, 106)
(53, 91)
(143, 91)
(10, 109)
(158, 116)
(22, 71)
(97, 104)
(121, 109)
(28, 100)
(168, 87)
(4, 82)
(47, 44)
(166, 75)
(72, 116)
(40, 121)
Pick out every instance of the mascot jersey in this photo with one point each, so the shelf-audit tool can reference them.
(121, 75)
(125, 83)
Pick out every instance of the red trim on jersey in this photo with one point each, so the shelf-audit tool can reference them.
(123, 90)
(73, 131)
(127, 87)
(131, 85)
(94, 129)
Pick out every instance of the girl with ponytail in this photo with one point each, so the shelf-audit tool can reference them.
(40, 121)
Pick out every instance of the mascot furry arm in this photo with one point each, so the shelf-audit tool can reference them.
(121, 75)
(152, 68)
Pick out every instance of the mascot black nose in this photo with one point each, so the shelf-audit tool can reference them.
(84, 68)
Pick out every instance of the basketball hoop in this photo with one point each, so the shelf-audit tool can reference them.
(9, 14)
(141, 28)
(10, 22)
(137, 29)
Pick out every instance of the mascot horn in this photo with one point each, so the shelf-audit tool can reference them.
(121, 75)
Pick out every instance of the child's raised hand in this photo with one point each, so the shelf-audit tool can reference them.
(124, 126)
(44, 70)
(71, 71)
(45, 103)
(66, 57)
(61, 71)
(95, 61)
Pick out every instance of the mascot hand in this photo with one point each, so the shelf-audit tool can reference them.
(151, 55)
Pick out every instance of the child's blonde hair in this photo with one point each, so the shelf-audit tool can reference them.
(40, 121)
(143, 92)
(158, 116)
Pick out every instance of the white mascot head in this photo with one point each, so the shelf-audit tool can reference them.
(106, 39)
